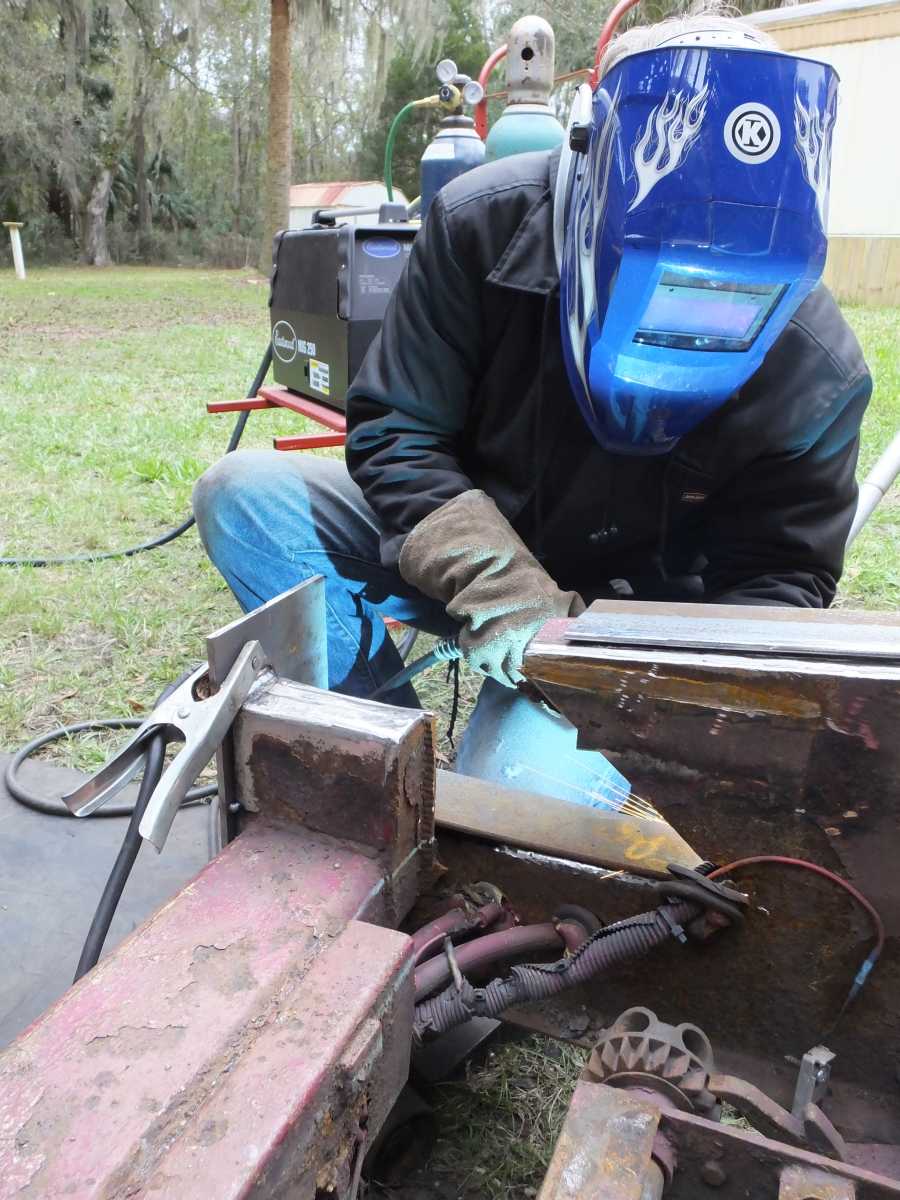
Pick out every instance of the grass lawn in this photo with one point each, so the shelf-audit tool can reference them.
(106, 375)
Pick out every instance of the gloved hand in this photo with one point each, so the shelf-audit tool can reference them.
(467, 555)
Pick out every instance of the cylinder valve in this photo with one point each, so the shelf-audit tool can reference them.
(528, 122)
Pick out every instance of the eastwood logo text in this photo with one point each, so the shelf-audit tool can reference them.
(287, 345)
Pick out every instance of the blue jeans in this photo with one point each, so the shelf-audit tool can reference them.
(269, 520)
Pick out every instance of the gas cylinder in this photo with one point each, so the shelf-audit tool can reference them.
(456, 147)
(528, 121)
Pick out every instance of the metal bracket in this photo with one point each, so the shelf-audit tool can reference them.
(812, 1079)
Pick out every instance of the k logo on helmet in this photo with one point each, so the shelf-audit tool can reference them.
(752, 132)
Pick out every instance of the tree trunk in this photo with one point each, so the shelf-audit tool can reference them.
(142, 192)
(278, 157)
(237, 198)
(95, 251)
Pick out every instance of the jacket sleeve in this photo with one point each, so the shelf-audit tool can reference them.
(776, 534)
(408, 405)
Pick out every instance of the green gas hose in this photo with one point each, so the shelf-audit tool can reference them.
(389, 147)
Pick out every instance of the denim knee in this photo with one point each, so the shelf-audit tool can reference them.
(238, 479)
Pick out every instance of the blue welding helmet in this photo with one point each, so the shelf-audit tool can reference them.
(689, 224)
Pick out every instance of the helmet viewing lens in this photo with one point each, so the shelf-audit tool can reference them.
(687, 313)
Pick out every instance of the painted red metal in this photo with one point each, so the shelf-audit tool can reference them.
(307, 407)
(271, 1127)
(308, 441)
(202, 1017)
(248, 404)
(275, 396)
(481, 108)
(606, 33)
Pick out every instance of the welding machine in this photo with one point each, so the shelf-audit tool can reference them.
(330, 288)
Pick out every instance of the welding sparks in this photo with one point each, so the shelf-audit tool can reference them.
(615, 799)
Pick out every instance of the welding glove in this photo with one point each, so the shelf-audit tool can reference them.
(467, 555)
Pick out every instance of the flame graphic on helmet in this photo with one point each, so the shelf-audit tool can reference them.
(671, 130)
(587, 211)
(813, 143)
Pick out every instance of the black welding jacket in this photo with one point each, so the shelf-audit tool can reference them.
(465, 386)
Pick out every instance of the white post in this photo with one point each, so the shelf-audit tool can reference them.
(873, 488)
(16, 238)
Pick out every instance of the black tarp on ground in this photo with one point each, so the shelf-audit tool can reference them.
(52, 871)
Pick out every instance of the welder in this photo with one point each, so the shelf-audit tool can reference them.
(608, 370)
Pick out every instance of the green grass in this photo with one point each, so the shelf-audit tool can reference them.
(872, 571)
(499, 1122)
(104, 429)
(104, 432)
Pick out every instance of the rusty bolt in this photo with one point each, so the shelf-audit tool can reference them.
(713, 1173)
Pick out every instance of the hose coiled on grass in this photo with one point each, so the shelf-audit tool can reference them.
(610, 947)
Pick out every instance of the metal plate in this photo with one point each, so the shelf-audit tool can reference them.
(291, 631)
(826, 640)
(557, 827)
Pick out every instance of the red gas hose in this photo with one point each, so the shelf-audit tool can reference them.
(606, 33)
(780, 860)
(481, 108)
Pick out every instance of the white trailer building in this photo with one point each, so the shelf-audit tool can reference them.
(861, 40)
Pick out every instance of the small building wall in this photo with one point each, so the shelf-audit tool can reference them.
(306, 198)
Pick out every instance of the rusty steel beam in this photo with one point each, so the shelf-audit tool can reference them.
(604, 1149)
(353, 769)
(623, 1144)
(595, 836)
(755, 755)
(807, 1183)
(739, 1163)
(772, 720)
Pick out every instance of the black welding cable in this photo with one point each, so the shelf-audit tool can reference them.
(171, 534)
(55, 807)
(154, 761)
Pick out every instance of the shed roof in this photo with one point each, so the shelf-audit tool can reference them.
(318, 195)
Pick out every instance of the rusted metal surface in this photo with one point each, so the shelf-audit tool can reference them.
(611, 1137)
(781, 732)
(807, 1183)
(677, 1064)
(251, 1037)
(354, 769)
(811, 1128)
(291, 630)
(755, 755)
(735, 716)
(767, 990)
(746, 1164)
(558, 827)
(99, 1089)
(640, 1047)
(604, 1149)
